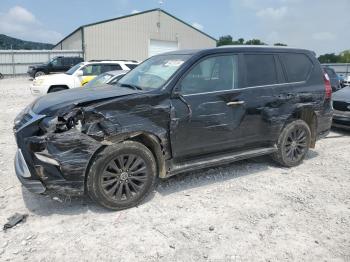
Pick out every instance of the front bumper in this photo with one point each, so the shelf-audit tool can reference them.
(31, 72)
(341, 119)
(24, 176)
(52, 163)
(39, 90)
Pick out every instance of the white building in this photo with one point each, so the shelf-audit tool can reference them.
(136, 36)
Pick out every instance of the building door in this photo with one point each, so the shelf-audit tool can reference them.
(159, 46)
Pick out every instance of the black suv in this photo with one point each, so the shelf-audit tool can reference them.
(173, 113)
(56, 65)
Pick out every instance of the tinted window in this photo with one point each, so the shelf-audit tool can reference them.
(57, 61)
(131, 66)
(212, 74)
(112, 67)
(298, 66)
(67, 61)
(261, 70)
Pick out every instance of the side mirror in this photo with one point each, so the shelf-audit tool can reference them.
(80, 73)
(176, 92)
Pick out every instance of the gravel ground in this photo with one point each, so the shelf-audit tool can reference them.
(248, 211)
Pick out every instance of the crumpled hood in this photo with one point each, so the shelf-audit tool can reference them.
(52, 102)
(342, 94)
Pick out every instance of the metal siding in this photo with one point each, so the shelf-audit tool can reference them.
(17, 61)
(129, 38)
(73, 42)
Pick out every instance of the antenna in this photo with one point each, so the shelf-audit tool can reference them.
(160, 3)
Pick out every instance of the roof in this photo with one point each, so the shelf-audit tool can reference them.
(130, 15)
(239, 48)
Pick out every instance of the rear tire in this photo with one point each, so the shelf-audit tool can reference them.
(56, 89)
(39, 73)
(293, 144)
(122, 175)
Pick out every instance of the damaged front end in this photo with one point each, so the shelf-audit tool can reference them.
(54, 151)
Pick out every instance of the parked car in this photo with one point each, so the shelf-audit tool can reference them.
(77, 76)
(110, 78)
(341, 79)
(341, 105)
(58, 64)
(175, 112)
(346, 81)
(333, 77)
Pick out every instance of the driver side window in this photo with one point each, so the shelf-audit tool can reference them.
(56, 62)
(216, 73)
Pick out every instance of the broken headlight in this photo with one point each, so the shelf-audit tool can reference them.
(64, 123)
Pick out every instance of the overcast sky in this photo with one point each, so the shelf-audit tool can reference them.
(322, 25)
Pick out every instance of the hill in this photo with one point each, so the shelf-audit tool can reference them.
(8, 43)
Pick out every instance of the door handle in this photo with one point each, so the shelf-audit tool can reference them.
(235, 103)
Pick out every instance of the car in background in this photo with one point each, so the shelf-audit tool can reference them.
(341, 106)
(1, 76)
(346, 81)
(77, 76)
(58, 64)
(341, 80)
(109, 78)
(333, 78)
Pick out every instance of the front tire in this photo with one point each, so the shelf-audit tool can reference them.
(293, 144)
(39, 73)
(122, 175)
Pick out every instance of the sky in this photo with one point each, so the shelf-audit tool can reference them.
(322, 25)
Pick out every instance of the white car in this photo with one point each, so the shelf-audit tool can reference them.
(77, 76)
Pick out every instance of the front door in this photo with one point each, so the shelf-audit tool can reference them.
(207, 109)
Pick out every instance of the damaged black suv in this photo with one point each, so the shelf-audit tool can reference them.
(175, 112)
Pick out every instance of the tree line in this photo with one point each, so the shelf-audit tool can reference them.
(343, 57)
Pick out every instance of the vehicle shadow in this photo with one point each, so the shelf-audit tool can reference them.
(47, 205)
(339, 132)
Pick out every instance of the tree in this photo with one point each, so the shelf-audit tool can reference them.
(254, 42)
(279, 44)
(225, 40)
(228, 40)
(329, 58)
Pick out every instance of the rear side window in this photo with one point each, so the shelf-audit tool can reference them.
(111, 67)
(298, 66)
(131, 66)
(261, 70)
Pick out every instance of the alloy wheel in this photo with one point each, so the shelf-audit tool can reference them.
(124, 177)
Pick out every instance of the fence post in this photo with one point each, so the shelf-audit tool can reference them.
(13, 63)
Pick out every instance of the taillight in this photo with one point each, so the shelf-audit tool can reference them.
(327, 86)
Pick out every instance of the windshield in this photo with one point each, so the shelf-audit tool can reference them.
(154, 72)
(99, 80)
(73, 69)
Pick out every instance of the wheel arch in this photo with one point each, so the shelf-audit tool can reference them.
(53, 86)
(151, 141)
(308, 115)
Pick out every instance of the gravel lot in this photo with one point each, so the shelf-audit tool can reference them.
(248, 211)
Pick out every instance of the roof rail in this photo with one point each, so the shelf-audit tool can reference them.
(123, 60)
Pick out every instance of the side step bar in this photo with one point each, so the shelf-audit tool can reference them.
(219, 159)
